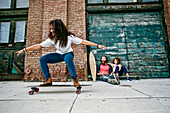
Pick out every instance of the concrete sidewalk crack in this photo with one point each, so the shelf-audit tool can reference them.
(73, 104)
(142, 92)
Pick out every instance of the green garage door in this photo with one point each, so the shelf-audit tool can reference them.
(139, 39)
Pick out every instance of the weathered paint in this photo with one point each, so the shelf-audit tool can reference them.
(10, 62)
(10, 13)
(136, 38)
(11, 65)
(123, 7)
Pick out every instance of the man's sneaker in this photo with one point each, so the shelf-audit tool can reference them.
(128, 78)
(111, 81)
(116, 78)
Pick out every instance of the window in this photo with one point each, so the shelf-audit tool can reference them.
(20, 31)
(121, 1)
(4, 32)
(5, 4)
(13, 4)
(95, 1)
(22, 3)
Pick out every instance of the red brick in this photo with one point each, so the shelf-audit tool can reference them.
(167, 16)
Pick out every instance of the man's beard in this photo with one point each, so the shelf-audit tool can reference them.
(103, 62)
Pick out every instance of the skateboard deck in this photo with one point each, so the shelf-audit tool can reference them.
(66, 85)
(92, 66)
(35, 88)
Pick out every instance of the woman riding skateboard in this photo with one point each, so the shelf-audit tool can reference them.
(62, 39)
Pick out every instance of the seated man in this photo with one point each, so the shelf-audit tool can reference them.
(118, 69)
(104, 70)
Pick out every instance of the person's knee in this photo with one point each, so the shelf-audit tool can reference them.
(123, 67)
(42, 59)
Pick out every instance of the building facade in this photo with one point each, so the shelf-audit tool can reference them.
(13, 26)
(137, 31)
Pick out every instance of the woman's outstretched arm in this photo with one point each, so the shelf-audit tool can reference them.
(85, 42)
(34, 47)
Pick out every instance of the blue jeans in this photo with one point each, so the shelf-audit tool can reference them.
(123, 69)
(56, 58)
(105, 77)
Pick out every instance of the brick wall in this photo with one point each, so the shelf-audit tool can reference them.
(76, 22)
(34, 36)
(72, 13)
(167, 22)
(167, 17)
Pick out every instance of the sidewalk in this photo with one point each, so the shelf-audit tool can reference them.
(138, 96)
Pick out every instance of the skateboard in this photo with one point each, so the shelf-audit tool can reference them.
(36, 88)
(92, 66)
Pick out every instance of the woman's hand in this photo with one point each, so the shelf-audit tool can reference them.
(101, 47)
(99, 74)
(19, 52)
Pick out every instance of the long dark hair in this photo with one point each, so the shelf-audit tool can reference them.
(118, 59)
(60, 32)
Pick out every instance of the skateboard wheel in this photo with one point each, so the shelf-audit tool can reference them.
(36, 89)
(78, 91)
(31, 92)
